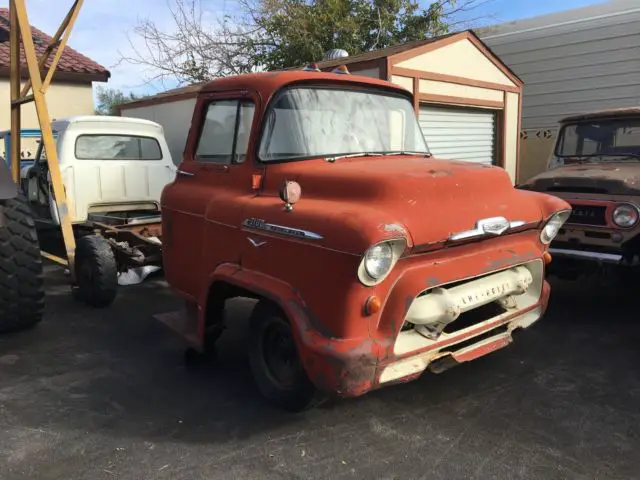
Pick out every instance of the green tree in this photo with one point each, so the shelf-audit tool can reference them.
(108, 100)
(275, 34)
(294, 32)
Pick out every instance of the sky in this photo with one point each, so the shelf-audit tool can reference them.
(104, 28)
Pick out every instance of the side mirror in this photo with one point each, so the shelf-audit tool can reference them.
(290, 193)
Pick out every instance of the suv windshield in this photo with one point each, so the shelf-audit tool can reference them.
(308, 122)
(605, 139)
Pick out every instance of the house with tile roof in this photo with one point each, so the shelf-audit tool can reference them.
(71, 90)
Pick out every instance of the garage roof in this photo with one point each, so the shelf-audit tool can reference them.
(71, 62)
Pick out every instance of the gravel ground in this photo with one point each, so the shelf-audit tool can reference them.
(105, 395)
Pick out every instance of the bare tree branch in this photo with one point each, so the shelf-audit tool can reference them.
(265, 33)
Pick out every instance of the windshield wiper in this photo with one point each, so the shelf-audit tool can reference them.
(407, 152)
(629, 156)
(376, 154)
(352, 155)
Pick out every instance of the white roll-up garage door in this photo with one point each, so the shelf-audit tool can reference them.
(467, 134)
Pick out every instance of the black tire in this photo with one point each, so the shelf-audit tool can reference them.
(21, 281)
(96, 272)
(290, 390)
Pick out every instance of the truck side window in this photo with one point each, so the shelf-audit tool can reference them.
(225, 132)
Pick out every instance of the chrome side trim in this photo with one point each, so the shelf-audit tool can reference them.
(580, 254)
(185, 173)
(487, 226)
(259, 224)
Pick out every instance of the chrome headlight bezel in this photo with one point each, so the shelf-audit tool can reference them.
(397, 247)
(552, 226)
(630, 206)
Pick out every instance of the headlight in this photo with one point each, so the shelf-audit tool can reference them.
(625, 215)
(379, 260)
(553, 226)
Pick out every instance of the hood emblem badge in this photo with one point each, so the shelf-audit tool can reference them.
(487, 226)
(260, 224)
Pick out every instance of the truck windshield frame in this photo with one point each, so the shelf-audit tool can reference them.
(599, 138)
(341, 121)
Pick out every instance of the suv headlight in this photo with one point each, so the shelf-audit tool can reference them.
(553, 226)
(625, 215)
(379, 260)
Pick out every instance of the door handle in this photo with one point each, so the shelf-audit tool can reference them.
(185, 174)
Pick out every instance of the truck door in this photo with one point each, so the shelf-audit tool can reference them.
(202, 208)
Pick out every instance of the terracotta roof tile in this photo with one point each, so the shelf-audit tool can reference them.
(71, 61)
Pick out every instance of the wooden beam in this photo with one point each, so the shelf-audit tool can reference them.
(14, 66)
(473, 102)
(441, 77)
(47, 133)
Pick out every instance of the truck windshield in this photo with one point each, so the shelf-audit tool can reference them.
(317, 122)
(601, 140)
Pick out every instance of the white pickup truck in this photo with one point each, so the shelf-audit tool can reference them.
(112, 168)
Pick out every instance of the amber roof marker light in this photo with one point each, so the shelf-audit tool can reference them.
(342, 69)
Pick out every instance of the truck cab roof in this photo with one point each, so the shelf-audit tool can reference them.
(267, 83)
(107, 124)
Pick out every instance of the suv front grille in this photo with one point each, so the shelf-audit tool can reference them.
(588, 215)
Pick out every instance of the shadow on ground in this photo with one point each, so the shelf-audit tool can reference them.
(105, 394)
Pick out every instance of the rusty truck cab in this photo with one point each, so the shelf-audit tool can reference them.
(372, 261)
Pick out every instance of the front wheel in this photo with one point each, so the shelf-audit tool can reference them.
(21, 282)
(275, 362)
(96, 271)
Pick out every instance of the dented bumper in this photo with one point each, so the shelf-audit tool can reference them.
(427, 320)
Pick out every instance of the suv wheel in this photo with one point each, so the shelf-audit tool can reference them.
(275, 362)
(96, 271)
(21, 282)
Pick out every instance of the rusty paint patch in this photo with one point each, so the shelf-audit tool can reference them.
(512, 259)
(313, 322)
(440, 173)
(433, 281)
(393, 227)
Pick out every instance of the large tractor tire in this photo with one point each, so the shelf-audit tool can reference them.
(21, 282)
(96, 272)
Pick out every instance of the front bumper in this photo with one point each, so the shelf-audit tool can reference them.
(585, 255)
(437, 286)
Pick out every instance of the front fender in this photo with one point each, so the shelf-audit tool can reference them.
(343, 366)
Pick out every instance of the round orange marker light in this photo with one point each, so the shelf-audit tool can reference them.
(547, 258)
(372, 305)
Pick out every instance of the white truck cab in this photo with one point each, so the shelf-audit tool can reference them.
(109, 165)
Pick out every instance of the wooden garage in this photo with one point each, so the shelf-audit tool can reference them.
(468, 102)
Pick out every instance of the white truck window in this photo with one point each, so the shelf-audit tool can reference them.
(117, 147)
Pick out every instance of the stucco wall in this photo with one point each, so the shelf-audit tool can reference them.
(63, 100)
